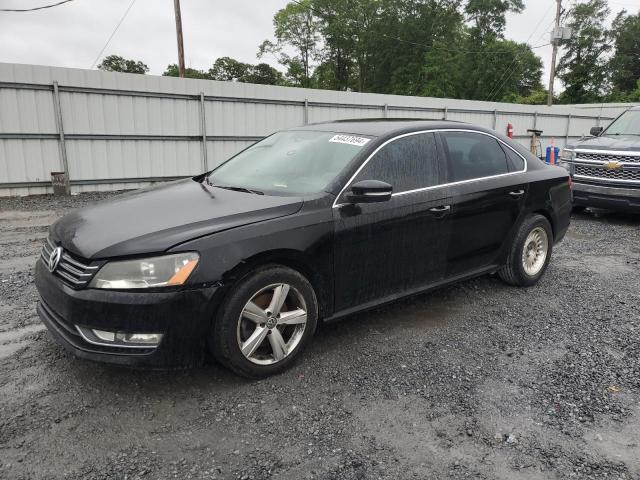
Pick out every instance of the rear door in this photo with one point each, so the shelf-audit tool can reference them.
(486, 198)
(389, 248)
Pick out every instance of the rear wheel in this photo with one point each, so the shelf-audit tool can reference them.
(530, 252)
(265, 322)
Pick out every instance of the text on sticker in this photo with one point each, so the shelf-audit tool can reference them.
(350, 140)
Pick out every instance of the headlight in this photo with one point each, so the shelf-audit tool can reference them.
(164, 271)
(567, 156)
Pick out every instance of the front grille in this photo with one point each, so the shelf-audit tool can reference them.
(72, 270)
(622, 174)
(606, 157)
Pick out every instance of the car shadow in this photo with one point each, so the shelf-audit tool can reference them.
(422, 313)
(608, 216)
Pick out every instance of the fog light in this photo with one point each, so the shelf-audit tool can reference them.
(120, 339)
(145, 338)
(105, 336)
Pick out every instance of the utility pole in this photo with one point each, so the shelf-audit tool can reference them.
(555, 41)
(176, 5)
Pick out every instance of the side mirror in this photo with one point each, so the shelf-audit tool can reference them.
(596, 131)
(369, 191)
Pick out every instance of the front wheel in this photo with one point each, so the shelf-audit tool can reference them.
(265, 322)
(530, 253)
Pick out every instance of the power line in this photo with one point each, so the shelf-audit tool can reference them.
(112, 33)
(35, 8)
(508, 73)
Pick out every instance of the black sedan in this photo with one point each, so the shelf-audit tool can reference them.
(307, 225)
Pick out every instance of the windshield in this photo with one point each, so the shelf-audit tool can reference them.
(627, 124)
(298, 162)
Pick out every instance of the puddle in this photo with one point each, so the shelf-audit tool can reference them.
(606, 265)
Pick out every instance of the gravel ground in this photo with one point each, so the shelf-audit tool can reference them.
(477, 380)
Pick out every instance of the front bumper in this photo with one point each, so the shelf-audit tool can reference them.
(183, 317)
(603, 196)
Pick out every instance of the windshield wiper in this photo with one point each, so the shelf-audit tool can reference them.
(238, 189)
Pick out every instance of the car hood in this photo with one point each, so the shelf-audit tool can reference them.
(618, 142)
(155, 219)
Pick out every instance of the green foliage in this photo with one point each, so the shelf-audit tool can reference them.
(264, 74)
(228, 69)
(172, 71)
(488, 17)
(583, 68)
(537, 97)
(116, 63)
(295, 26)
(625, 63)
(438, 48)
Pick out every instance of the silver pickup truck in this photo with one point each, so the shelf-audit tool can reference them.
(605, 167)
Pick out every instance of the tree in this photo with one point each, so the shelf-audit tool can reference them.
(229, 70)
(116, 63)
(488, 17)
(295, 26)
(264, 74)
(583, 68)
(172, 71)
(447, 48)
(625, 63)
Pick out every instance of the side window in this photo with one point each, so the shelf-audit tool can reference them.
(473, 155)
(407, 163)
(516, 162)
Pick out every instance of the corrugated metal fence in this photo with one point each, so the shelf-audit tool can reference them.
(113, 131)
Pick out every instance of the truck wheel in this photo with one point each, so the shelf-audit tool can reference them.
(530, 252)
(265, 322)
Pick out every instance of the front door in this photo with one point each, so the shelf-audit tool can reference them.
(386, 249)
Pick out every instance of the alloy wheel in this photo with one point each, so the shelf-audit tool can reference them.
(271, 324)
(535, 251)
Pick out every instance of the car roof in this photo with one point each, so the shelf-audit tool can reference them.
(377, 127)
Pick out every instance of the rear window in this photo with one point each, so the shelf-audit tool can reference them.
(473, 155)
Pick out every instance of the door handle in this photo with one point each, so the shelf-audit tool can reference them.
(516, 193)
(440, 209)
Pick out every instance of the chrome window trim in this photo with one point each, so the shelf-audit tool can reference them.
(433, 187)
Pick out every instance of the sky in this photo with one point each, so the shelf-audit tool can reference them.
(74, 34)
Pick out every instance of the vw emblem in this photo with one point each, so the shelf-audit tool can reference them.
(54, 259)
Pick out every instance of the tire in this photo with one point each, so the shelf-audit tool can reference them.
(255, 342)
(524, 266)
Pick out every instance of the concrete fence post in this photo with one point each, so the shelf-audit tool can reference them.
(495, 119)
(203, 130)
(306, 111)
(62, 146)
(445, 113)
(385, 111)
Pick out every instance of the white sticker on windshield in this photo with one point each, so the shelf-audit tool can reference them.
(350, 140)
